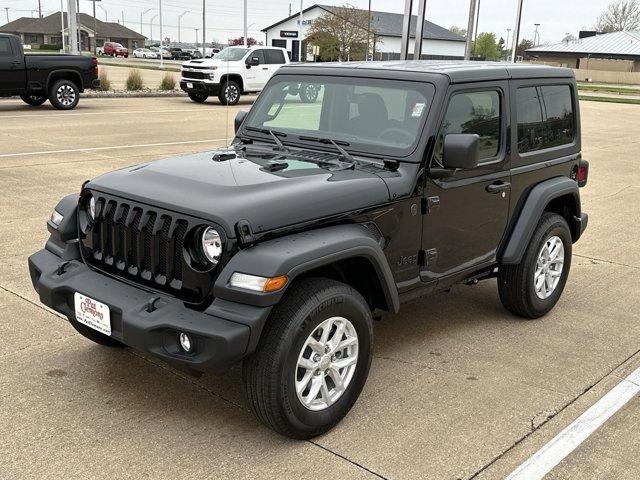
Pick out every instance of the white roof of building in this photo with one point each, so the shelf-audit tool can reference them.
(616, 43)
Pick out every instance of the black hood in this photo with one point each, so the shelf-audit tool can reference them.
(241, 188)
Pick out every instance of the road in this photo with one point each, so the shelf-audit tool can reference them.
(458, 388)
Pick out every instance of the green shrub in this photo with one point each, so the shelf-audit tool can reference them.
(168, 82)
(105, 83)
(50, 46)
(134, 80)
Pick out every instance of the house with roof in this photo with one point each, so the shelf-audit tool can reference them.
(49, 30)
(613, 52)
(438, 42)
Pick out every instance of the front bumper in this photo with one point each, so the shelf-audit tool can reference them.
(148, 321)
(198, 86)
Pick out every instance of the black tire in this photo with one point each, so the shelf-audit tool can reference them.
(516, 283)
(34, 100)
(229, 93)
(95, 336)
(270, 373)
(66, 102)
(308, 93)
(198, 97)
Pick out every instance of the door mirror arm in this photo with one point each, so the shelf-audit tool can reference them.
(438, 173)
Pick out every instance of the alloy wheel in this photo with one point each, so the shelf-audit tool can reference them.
(549, 267)
(66, 95)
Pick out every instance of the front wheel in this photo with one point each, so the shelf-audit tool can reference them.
(198, 97)
(312, 360)
(34, 100)
(229, 93)
(532, 288)
(64, 95)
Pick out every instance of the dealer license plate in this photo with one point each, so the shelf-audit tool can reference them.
(189, 85)
(92, 313)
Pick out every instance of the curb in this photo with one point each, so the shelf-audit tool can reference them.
(123, 94)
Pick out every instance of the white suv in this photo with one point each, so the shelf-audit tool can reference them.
(232, 72)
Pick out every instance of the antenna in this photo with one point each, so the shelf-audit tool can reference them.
(226, 90)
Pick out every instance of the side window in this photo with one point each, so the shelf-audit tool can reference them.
(545, 117)
(558, 106)
(259, 54)
(5, 48)
(473, 112)
(274, 57)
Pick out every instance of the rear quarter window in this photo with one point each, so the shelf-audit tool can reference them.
(546, 117)
(274, 56)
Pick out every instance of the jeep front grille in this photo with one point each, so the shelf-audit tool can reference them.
(145, 245)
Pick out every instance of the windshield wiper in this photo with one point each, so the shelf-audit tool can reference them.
(274, 134)
(328, 141)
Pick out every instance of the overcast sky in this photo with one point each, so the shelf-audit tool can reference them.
(224, 17)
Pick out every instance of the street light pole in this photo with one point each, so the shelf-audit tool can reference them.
(197, 48)
(161, 37)
(61, 23)
(95, 30)
(6, 9)
(406, 24)
(246, 41)
(180, 18)
(475, 34)
(141, 15)
(508, 35)
(536, 36)
(516, 32)
(204, 28)
(470, 25)
(151, 28)
(422, 11)
(300, 31)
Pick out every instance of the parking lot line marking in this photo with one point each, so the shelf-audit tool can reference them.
(119, 112)
(545, 459)
(112, 147)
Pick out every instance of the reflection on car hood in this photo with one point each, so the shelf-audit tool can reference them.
(228, 191)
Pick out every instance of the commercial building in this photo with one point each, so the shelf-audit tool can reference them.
(438, 44)
(48, 31)
(612, 52)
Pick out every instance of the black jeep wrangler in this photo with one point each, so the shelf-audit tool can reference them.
(398, 180)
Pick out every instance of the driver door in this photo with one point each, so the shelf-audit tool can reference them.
(257, 75)
(466, 214)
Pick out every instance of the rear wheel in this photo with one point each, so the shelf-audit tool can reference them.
(34, 100)
(308, 93)
(229, 93)
(532, 288)
(312, 360)
(64, 95)
(198, 97)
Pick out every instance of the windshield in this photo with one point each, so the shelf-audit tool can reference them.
(232, 54)
(367, 115)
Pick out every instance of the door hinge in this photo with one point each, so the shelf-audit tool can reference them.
(429, 257)
(430, 204)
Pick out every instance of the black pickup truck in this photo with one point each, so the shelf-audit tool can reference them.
(36, 78)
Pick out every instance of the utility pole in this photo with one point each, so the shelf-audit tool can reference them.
(39, 9)
(475, 35)
(122, 11)
(536, 36)
(300, 31)
(368, 35)
(197, 30)
(472, 16)
(95, 30)
(161, 35)
(61, 23)
(516, 32)
(6, 9)
(406, 25)
(246, 41)
(422, 12)
(508, 35)
(180, 18)
(73, 26)
(204, 27)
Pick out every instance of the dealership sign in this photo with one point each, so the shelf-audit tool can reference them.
(289, 33)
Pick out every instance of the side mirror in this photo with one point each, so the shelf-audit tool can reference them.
(240, 116)
(461, 151)
(253, 62)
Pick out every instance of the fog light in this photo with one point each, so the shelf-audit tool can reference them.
(186, 343)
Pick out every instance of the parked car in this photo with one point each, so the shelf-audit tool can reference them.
(144, 53)
(193, 53)
(112, 49)
(166, 54)
(234, 72)
(36, 78)
(179, 54)
(400, 180)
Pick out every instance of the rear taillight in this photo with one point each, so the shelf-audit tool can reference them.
(94, 63)
(583, 173)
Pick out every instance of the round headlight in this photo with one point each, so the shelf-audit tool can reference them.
(211, 245)
(92, 208)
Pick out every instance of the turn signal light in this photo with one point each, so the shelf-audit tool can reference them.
(276, 283)
(256, 283)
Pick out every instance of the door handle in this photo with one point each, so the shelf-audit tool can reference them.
(498, 187)
(266, 68)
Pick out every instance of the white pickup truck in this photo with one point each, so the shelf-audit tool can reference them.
(231, 73)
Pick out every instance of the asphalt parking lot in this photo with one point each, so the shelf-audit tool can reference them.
(459, 388)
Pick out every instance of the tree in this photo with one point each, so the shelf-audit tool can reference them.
(620, 15)
(342, 34)
(240, 41)
(459, 31)
(487, 47)
(521, 50)
(568, 38)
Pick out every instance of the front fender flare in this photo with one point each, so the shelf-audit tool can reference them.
(295, 254)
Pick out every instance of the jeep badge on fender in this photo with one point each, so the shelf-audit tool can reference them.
(392, 181)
